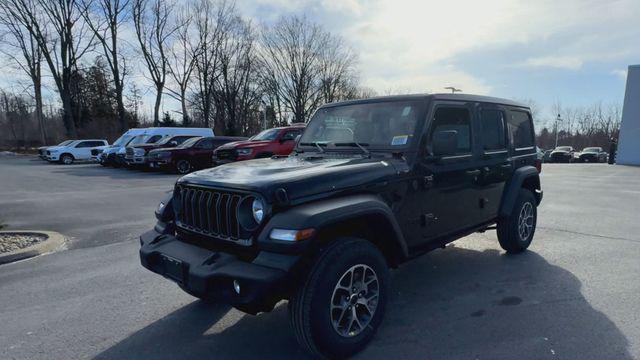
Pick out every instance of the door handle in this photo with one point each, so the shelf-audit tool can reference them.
(475, 172)
(505, 166)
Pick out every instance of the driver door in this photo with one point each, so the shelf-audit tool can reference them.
(448, 188)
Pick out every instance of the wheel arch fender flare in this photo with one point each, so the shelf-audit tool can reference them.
(524, 177)
(326, 214)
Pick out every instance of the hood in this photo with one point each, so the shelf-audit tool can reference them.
(299, 176)
(51, 148)
(560, 152)
(243, 144)
(171, 149)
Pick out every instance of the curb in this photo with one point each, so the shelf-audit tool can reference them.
(53, 242)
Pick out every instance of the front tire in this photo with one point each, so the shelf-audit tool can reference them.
(66, 159)
(183, 167)
(338, 308)
(515, 232)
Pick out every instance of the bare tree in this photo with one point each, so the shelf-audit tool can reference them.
(104, 18)
(63, 39)
(182, 59)
(210, 21)
(306, 66)
(28, 59)
(154, 30)
(336, 70)
(236, 91)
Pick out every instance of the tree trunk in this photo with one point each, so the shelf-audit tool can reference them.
(183, 102)
(37, 86)
(67, 114)
(156, 109)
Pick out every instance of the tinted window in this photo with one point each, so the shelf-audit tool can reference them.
(493, 135)
(457, 119)
(291, 135)
(206, 144)
(154, 139)
(180, 139)
(85, 144)
(520, 129)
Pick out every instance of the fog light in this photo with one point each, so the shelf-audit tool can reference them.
(236, 286)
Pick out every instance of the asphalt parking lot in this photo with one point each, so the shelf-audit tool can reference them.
(574, 295)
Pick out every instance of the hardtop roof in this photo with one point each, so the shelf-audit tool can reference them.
(425, 97)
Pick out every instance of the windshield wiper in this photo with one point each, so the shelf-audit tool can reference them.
(316, 144)
(355, 143)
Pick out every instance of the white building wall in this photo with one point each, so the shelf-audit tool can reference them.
(629, 140)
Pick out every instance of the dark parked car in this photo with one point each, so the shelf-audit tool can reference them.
(592, 154)
(136, 155)
(194, 153)
(371, 184)
(270, 142)
(562, 154)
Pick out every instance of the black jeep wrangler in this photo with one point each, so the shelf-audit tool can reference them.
(371, 183)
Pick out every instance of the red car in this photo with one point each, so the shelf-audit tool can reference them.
(193, 154)
(276, 141)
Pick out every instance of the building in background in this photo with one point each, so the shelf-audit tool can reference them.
(629, 139)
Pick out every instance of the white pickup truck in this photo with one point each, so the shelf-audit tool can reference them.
(77, 150)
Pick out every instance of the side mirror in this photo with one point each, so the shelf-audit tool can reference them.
(445, 142)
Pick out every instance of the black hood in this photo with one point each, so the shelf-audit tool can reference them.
(299, 176)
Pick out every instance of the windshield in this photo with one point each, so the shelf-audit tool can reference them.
(270, 134)
(122, 140)
(189, 142)
(380, 124)
(66, 142)
(592, 150)
(563, 148)
(140, 139)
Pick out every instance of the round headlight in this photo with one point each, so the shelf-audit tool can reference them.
(257, 208)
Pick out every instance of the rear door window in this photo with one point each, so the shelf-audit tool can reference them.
(493, 134)
(520, 129)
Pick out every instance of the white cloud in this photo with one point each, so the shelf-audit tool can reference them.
(560, 62)
(621, 73)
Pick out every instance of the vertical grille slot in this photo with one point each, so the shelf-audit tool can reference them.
(208, 212)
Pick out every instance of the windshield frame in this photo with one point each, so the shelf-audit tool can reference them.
(421, 106)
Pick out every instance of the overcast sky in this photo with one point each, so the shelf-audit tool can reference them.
(571, 51)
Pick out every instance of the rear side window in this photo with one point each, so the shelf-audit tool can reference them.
(454, 118)
(206, 144)
(520, 129)
(85, 144)
(154, 139)
(180, 139)
(291, 135)
(493, 135)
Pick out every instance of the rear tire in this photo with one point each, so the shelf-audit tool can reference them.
(349, 280)
(515, 232)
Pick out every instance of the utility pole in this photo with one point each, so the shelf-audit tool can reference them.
(556, 130)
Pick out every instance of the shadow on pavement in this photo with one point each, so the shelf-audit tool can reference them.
(449, 304)
(91, 170)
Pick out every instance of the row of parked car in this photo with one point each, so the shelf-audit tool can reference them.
(180, 150)
(567, 154)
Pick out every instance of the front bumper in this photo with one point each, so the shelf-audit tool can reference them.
(210, 274)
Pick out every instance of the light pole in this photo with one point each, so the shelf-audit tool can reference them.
(558, 118)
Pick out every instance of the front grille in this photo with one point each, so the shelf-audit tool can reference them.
(225, 154)
(209, 212)
(48, 152)
(129, 151)
(95, 152)
(41, 151)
